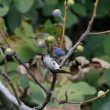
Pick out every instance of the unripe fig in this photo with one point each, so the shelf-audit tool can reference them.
(101, 93)
(80, 48)
(50, 38)
(70, 2)
(9, 52)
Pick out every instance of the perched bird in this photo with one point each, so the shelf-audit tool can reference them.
(50, 63)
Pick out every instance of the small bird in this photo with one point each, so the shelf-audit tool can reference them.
(50, 63)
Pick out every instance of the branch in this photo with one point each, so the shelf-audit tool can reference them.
(20, 62)
(3, 34)
(82, 102)
(10, 101)
(95, 98)
(83, 36)
(29, 72)
(98, 33)
(11, 84)
(49, 93)
(64, 22)
(65, 101)
(15, 57)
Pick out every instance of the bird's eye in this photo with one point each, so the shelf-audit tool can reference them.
(51, 59)
(53, 63)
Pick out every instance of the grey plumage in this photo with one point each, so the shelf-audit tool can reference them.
(50, 63)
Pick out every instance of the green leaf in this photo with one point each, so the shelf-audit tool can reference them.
(32, 15)
(47, 10)
(49, 6)
(39, 3)
(24, 81)
(76, 91)
(51, 2)
(11, 66)
(89, 4)
(92, 77)
(28, 29)
(27, 48)
(71, 19)
(25, 52)
(80, 9)
(18, 32)
(13, 19)
(26, 33)
(4, 7)
(37, 93)
(107, 44)
(52, 29)
(106, 76)
(15, 78)
(23, 5)
(98, 49)
(103, 8)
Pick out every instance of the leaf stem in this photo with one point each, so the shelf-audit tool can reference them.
(64, 23)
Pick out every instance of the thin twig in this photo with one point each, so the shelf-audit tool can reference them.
(98, 33)
(10, 101)
(81, 102)
(68, 102)
(65, 101)
(29, 72)
(4, 37)
(49, 93)
(11, 84)
(98, 97)
(20, 62)
(83, 36)
(64, 23)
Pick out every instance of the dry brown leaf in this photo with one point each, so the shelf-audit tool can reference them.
(21, 69)
(68, 43)
(104, 64)
(79, 70)
(82, 60)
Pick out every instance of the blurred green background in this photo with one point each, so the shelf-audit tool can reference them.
(26, 18)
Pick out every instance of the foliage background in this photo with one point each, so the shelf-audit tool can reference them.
(35, 16)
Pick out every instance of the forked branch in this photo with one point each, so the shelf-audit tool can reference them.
(83, 36)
